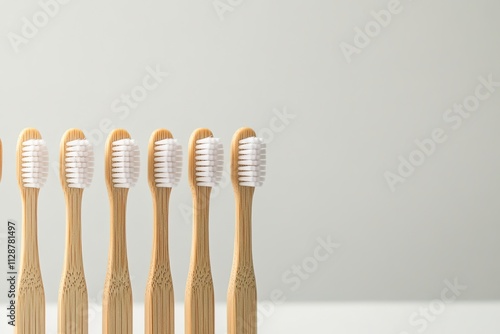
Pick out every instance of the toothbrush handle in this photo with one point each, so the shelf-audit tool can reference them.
(159, 301)
(199, 301)
(30, 293)
(73, 297)
(117, 295)
(242, 291)
(242, 301)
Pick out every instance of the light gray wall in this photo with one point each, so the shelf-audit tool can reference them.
(349, 123)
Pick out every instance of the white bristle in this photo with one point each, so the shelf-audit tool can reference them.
(252, 162)
(167, 163)
(125, 163)
(209, 162)
(79, 163)
(35, 163)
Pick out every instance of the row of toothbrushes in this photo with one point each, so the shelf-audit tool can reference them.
(122, 164)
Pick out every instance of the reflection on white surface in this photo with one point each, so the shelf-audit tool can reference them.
(333, 318)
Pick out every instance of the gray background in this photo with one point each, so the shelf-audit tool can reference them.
(326, 166)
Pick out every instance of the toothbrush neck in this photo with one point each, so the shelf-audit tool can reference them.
(73, 257)
(30, 229)
(201, 212)
(118, 242)
(160, 235)
(243, 229)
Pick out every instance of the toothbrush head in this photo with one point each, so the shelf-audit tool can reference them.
(76, 160)
(122, 161)
(32, 160)
(206, 159)
(248, 159)
(165, 160)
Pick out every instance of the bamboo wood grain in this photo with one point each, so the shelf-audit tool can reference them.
(159, 300)
(73, 297)
(30, 303)
(242, 291)
(117, 295)
(199, 300)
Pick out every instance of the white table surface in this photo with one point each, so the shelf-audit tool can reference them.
(331, 318)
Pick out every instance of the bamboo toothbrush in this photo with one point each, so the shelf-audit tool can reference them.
(205, 171)
(76, 171)
(122, 164)
(165, 166)
(32, 172)
(248, 155)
